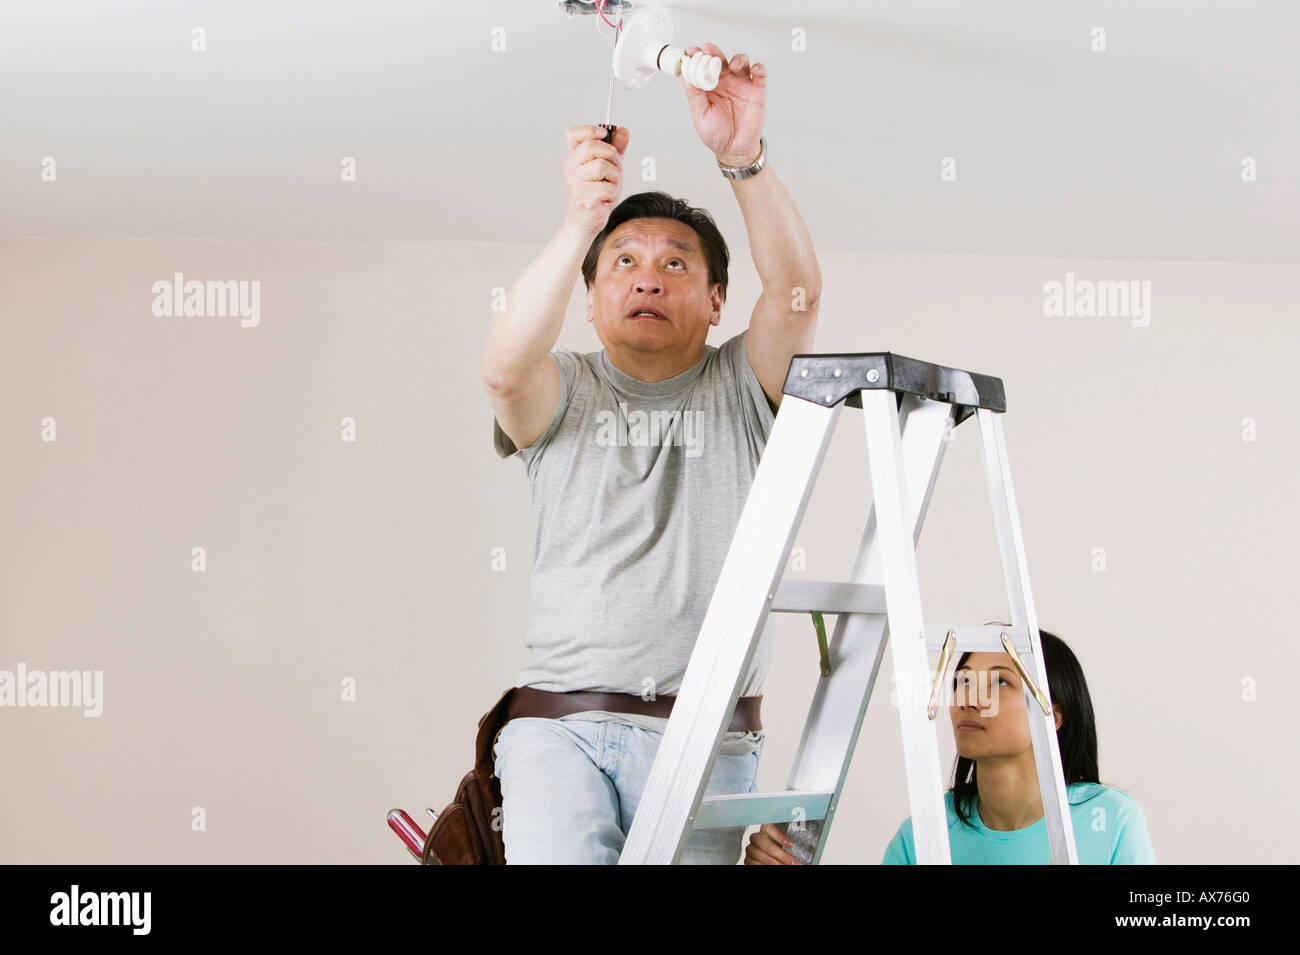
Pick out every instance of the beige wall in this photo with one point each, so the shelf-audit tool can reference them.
(372, 560)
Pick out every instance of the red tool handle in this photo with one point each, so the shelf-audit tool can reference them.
(408, 831)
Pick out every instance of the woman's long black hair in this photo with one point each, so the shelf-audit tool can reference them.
(1077, 737)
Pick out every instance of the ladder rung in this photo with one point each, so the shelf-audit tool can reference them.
(751, 809)
(978, 639)
(828, 596)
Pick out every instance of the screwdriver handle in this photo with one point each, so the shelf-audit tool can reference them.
(411, 834)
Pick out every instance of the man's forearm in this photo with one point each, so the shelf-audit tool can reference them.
(519, 337)
(779, 241)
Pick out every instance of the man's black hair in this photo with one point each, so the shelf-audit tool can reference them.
(660, 205)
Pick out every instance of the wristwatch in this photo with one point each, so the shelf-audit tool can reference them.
(744, 172)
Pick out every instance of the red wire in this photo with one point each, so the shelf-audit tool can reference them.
(600, 8)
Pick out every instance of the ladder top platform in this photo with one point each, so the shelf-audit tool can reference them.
(828, 379)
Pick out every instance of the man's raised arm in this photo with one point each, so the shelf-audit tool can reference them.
(730, 121)
(522, 384)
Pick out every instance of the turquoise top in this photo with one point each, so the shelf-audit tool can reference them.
(1110, 828)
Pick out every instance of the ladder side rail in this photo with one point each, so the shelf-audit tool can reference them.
(907, 628)
(1042, 728)
(725, 646)
(839, 703)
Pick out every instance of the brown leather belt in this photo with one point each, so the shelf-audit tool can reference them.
(549, 704)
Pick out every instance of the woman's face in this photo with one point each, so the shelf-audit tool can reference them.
(988, 708)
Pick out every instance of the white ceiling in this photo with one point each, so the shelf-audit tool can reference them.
(1131, 153)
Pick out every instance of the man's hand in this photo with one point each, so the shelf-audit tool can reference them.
(765, 847)
(593, 176)
(729, 118)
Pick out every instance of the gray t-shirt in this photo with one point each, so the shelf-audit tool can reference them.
(637, 488)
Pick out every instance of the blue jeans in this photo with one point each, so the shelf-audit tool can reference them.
(570, 788)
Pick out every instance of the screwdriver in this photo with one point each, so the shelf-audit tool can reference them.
(609, 101)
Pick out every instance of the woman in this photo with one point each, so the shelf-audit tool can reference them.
(995, 809)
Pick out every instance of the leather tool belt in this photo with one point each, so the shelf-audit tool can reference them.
(549, 704)
(468, 831)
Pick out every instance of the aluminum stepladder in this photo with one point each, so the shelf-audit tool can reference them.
(908, 407)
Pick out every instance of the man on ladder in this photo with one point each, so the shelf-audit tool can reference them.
(640, 458)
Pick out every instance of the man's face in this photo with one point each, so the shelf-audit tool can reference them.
(655, 264)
